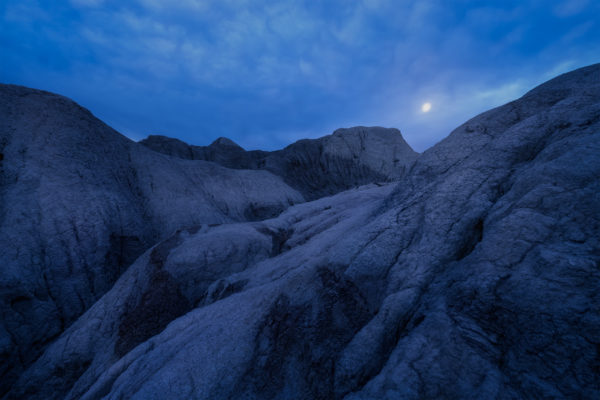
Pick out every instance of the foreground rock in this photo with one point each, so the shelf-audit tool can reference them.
(193, 268)
(475, 276)
(79, 203)
(316, 168)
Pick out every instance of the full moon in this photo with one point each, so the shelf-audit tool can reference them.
(426, 107)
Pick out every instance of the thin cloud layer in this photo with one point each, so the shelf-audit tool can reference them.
(267, 73)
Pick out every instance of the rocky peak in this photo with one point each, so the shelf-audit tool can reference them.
(226, 142)
(348, 158)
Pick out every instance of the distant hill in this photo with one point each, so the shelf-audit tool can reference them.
(316, 168)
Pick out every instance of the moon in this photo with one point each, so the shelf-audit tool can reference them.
(426, 107)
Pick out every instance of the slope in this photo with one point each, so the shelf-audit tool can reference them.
(315, 167)
(79, 203)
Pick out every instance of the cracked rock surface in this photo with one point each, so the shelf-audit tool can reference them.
(475, 275)
(79, 203)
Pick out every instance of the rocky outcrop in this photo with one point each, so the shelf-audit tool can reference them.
(223, 151)
(192, 269)
(315, 167)
(475, 275)
(79, 203)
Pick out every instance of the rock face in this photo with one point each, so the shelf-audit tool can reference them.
(316, 168)
(223, 151)
(473, 276)
(79, 203)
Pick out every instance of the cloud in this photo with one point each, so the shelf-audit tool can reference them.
(560, 68)
(498, 95)
(180, 5)
(87, 3)
(25, 12)
(569, 8)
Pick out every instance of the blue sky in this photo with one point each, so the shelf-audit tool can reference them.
(267, 73)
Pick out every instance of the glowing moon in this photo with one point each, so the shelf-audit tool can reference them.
(426, 107)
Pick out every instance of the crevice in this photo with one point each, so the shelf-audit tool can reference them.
(471, 238)
(279, 239)
(161, 303)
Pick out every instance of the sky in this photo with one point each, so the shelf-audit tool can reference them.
(268, 73)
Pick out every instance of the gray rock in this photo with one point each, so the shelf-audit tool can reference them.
(315, 167)
(474, 276)
(192, 269)
(79, 203)
(223, 151)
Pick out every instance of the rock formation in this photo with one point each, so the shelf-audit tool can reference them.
(316, 168)
(473, 275)
(80, 202)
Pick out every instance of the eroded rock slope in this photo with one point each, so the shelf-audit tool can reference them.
(315, 167)
(474, 276)
(79, 203)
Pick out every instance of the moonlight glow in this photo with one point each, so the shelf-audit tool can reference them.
(426, 107)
